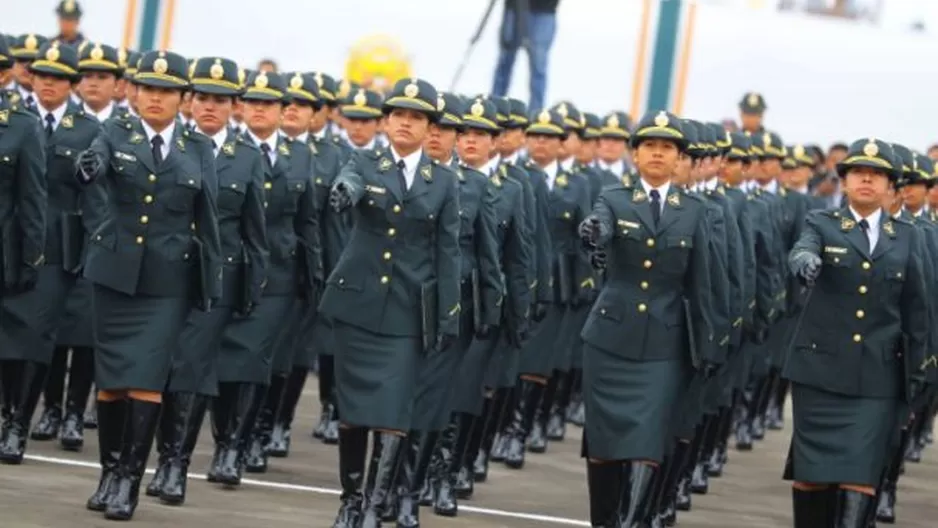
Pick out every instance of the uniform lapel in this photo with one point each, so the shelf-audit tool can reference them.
(141, 146)
(177, 149)
(282, 166)
(387, 175)
(422, 179)
(853, 233)
(887, 233)
(642, 207)
(673, 202)
(226, 153)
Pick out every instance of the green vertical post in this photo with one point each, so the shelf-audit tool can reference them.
(664, 55)
(148, 25)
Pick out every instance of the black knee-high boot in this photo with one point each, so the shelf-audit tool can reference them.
(445, 501)
(188, 413)
(263, 427)
(522, 419)
(853, 509)
(411, 474)
(139, 429)
(537, 434)
(469, 428)
(775, 415)
(293, 389)
(164, 446)
(576, 410)
(719, 455)
(80, 376)
(886, 507)
(384, 474)
(604, 482)
(240, 421)
(557, 420)
(635, 497)
(327, 417)
(219, 416)
(111, 417)
(766, 388)
(813, 509)
(480, 461)
(505, 401)
(700, 480)
(47, 428)
(353, 448)
(30, 379)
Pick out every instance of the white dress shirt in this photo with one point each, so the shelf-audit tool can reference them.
(616, 167)
(567, 164)
(490, 166)
(301, 138)
(103, 115)
(271, 142)
(512, 159)
(167, 135)
(551, 171)
(873, 220)
(771, 187)
(57, 114)
(218, 139)
(410, 164)
(662, 191)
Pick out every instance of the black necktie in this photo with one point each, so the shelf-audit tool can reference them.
(50, 125)
(655, 205)
(265, 148)
(157, 148)
(30, 102)
(400, 176)
(865, 226)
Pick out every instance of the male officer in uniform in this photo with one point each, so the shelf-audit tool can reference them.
(613, 148)
(23, 220)
(69, 13)
(25, 49)
(752, 107)
(857, 351)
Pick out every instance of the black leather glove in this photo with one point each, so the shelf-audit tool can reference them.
(598, 260)
(340, 198)
(807, 266)
(589, 231)
(443, 342)
(89, 165)
(26, 281)
(709, 369)
(540, 312)
(486, 331)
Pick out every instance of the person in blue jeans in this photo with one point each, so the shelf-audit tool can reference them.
(539, 24)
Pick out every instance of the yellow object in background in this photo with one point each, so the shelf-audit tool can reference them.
(377, 62)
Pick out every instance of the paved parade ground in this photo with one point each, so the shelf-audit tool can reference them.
(50, 488)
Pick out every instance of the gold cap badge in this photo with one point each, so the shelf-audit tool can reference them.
(477, 108)
(543, 117)
(97, 53)
(261, 81)
(122, 56)
(562, 110)
(411, 90)
(798, 150)
(612, 122)
(753, 99)
(217, 71)
(440, 103)
(70, 6)
(31, 42)
(318, 78)
(344, 88)
(52, 54)
(661, 119)
(160, 65)
(871, 149)
(360, 98)
(296, 82)
(767, 139)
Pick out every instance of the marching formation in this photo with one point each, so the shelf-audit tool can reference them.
(465, 276)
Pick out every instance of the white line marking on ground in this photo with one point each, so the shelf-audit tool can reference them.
(328, 491)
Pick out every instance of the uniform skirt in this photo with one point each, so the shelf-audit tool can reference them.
(630, 405)
(780, 341)
(569, 344)
(502, 372)
(247, 345)
(285, 344)
(135, 338)
(196, 359)
(840, 439)
(546, 344)
(436, 377)
(470, 385)
(306, 337)
(376, 377)
(75, 326)
(29, 321)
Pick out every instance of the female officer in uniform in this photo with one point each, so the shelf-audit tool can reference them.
(864, 329)
(242, 228)
(23, 205)
(29, 320)
(154, 247)
(250, 343)
(650, 324)
(394, 294)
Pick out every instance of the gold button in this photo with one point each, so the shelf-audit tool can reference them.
(647, 264)
(899, 275)
(144, 219)
(861, 314)
(384, 279)
(230, 259)
(268, 185)
(397, 208)
(152, 177)
(857, 338)
(642, 308)
(68, 152)
(234, 185)
(644, 285)
(683, 243)
(836, 260)
(341, 281)
(265, 205)
(566, 215)
(191, 182)
(392, 231)
(140, 240)
(192, 226)
(371, 202)
(148, 199)
(97, 237)
(862, 290)
(185, 256)
(602, 311)
(650, 242)
(387, 255)
(866, 265)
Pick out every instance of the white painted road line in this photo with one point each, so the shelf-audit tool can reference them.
(563, 521)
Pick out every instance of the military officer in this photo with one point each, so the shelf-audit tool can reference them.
(570, 279)
(130, 89)
(99, 68)
(257, 351)
(23, 219)
(361, 117)
(242, 229)
(304, 103)
(657, 279)
(864, 330)
(25, 49)
(394, 294)
(752, 108)
(800, 176)
(481, 286)
(30, 319)
(69, 13)
(612, 149)
(151, 210)
(335, 231)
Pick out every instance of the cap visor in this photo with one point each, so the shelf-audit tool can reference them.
(214, 90)
(363, 113)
